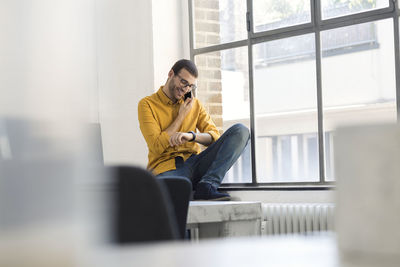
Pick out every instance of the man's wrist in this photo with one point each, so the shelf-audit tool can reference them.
(194, 136)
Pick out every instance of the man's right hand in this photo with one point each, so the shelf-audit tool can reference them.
(186, 107)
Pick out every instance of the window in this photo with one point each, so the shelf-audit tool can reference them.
(223, 89)
(337, 8)
(343, 40)
(275, 14)
(293, 71)
(282, 107)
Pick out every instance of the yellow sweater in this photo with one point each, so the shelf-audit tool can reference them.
(156, 112)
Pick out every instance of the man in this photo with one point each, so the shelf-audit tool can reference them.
(169, 122)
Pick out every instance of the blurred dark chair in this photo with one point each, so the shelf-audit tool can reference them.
(179, 190)
(144, 209)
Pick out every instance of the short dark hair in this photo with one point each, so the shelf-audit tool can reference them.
(187, 65)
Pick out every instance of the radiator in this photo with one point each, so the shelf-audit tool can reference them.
(297, 218)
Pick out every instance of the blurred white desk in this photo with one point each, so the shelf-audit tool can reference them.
(211, 219)
(237, 252)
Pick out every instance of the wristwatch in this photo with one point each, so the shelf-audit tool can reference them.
(194, 136)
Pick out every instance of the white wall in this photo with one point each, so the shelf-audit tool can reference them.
(89, 60)
(47, 59)
(170, 36)
(125, 75)
(138, 41)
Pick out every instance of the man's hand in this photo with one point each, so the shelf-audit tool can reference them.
(186, 107)
(179, 138)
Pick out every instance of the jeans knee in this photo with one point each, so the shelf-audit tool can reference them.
(241, 131)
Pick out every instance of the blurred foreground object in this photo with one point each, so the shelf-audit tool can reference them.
(47, 211)
(368, 196)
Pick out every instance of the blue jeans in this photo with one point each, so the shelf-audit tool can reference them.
(211, 165)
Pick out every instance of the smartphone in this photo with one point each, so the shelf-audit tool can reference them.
(188, 94)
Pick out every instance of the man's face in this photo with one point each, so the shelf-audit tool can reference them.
(181, 84)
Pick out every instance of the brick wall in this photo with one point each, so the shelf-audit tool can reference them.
(207, 32)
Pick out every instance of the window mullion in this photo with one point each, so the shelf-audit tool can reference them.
(397, 61)
(251, 92)
(316, 19)
(191, 29)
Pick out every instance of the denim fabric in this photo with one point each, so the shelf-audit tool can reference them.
(211, 165)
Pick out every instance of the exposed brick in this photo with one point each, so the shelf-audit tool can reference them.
(212, 55)
(213, 4)
(200, 44)
(202, 99)
(204, 80)
(211, 91)
(212, 74)
(207, 31)
(201, 85)
(216, 86)
(200, 14)
(207, 27)
(202, 95)
(216, 110)
(200, 37)
(214, 98)
(217, 119)
(213, 39)
(212, 15)
(214, 62)
(200, 61)
(202, 67)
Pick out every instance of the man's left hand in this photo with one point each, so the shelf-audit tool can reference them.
(179, 138)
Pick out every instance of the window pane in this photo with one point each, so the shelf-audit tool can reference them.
(274, 14)
(223, 89)
(217, 22)
(286, 110)
(358, 78)
(338, 8)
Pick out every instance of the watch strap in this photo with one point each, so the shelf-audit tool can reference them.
(194, 136)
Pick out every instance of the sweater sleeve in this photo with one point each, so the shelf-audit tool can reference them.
(156, 139)
(206, 125)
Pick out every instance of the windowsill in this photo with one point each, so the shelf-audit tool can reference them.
(277, 187)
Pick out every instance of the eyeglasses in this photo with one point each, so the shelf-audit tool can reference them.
(185, 84)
